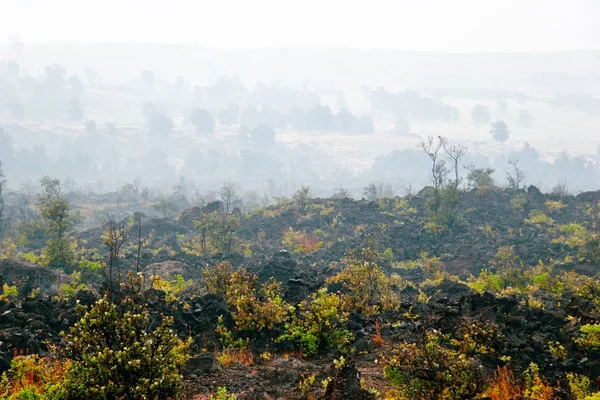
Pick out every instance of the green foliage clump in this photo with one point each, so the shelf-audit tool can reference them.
(536, 386)
(9, 292)
(255, 306)
(300, 242)
(31, 377)
(486, 281)
(114, 354)
(55, 210)
(590, 337)
(388, 255)
(553, 206)
(70, 289)
(580, 387)
(173, 287)
(430, 369)
(216, 233)
(92, 266)
(222, 394)
(537, 217)
(319, 324)
(367, 290)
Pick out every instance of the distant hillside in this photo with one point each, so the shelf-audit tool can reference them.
(576, 71)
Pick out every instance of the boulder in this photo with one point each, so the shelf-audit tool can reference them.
(27, 276)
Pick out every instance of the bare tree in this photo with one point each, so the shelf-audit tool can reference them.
(2, 217)
(341, 192)
(370, 192)
(166, 207)
(515, 180)
(438, 171)
(455, 153)
(138, 219)
(115, 235)
(228, 196)
(561, 188)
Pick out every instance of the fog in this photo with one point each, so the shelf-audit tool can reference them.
(179, 99)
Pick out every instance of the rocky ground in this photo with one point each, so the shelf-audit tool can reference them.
(276, 371)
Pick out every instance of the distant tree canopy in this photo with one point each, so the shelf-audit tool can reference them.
(525, 118)
(499, 131)
(410, 104)
(75, 110)
(91, 76)
(262, 135)
(203, 121)
(158, 123)
(229, 115)
(91, 127)
(480, 114)
(320, 118)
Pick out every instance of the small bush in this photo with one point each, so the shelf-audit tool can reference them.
(318, 324)
(429, 369)
(301, 242)
(114, 354)
(32, 377)
(590, 337)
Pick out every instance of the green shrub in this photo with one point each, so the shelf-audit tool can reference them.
(318, 324)
(9, 292)
(486, 281)
(222, 394)
(431, 370)
(590, 337)
(114, 354)
(367, 290)
(33, 377)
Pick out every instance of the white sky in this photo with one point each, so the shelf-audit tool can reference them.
(436, 25)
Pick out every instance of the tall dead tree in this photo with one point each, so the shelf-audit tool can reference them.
(115, 235)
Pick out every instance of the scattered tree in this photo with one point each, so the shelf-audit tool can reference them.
(262, 135)
(228, 196)
(525, 118)
(91, 76)
(500, 131)
(561, 188)
(115, 235)
(76, 110)
(515, 179)
(166, 207)
(158, 123)
(91, 127)
(230, 115)
(203, 121)
(438, 170)
(55, 209)
(480, 114)
(2, 189)
(479, 177)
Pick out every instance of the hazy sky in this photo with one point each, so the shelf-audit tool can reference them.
(438, 25)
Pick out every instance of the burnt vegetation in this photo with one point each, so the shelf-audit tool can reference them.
(462, 290)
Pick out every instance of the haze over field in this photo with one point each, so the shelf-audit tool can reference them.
(102, 94)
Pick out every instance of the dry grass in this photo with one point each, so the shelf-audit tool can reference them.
(504, 386)
(229, 356)
(377, 339)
